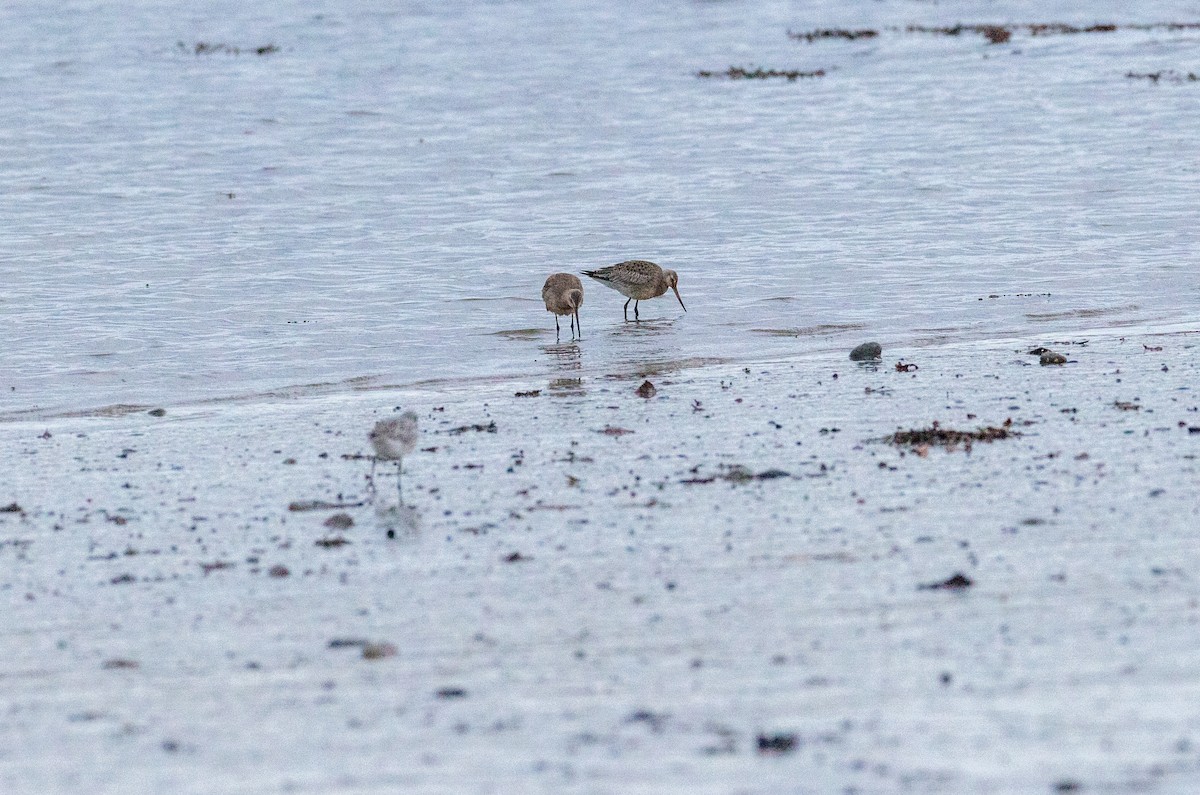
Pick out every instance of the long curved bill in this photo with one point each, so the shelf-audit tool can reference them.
(676, 291)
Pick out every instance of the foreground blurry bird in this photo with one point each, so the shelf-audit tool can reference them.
(563, 294)
(638, 280)
(393, 439)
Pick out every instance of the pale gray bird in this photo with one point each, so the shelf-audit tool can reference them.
(393, 439)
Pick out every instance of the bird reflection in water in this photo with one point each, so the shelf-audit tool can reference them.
(401, 522)
(565, 387)
(565, 359)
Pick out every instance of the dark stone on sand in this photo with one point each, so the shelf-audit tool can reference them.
(948, 437)
(378, 651)
(646, 390)
(866, 352)
(1050, 357)
(157, 412)
(956, 583)
(479, 427)
(332, 542)
(776, 743)
(346, 643)
(339, 521)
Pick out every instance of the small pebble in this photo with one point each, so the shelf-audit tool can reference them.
(776, 743)
(339, 521)
(378, 651)
(956, 583)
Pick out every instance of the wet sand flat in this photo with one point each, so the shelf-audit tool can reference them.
(727, 587)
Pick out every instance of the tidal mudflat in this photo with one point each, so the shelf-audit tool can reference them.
(763, 577)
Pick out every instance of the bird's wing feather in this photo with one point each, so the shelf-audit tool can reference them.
(635, 273)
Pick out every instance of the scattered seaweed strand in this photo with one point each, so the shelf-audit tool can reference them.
(741, 73)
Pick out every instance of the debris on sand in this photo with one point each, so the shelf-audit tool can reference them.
(948, 437)
(331, 543)
(319, 505)
(739, 474)
(612, 430)
(530, 393)
(489, 428)
(833, 33)
(339, 521)
(646, 390)
(906, 367)
(450, 692)
(347, 643)
(207, 48)
(1169, 75)
(1050, 357)
(378, 651)
(741, 73)
(157, 412)
(12, 507)
(776, 743)
(654, 720)
(994, 33)
(998, 34)
(958, 582)
(119, 663)
(868, 351)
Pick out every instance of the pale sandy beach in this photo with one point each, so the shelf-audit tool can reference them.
(237, 237)
(725, 598)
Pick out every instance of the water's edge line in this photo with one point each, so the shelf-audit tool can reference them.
(448, 387)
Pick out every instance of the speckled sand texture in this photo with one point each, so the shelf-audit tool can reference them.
(567, 610)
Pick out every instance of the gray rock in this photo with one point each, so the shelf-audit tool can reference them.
(866, 352)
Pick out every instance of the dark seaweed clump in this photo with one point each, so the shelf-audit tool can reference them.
(1170, 75)
(949, 438)
(833, 33)
(740, 73)
(208, 48)
(996, 34)
(1002, 33)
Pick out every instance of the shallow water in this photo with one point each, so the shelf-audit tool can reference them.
(382, 198)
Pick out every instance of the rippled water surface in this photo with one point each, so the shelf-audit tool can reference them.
(379, 200)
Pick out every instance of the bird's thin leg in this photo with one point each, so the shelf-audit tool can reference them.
(557, 330)
(627, 310)
(578, 327)
(636, 319)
